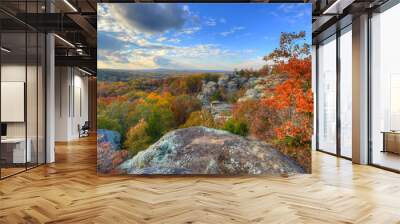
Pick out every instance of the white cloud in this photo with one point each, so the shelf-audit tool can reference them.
(186, 8)
(104, 20)
(232, 31)
(140, 50)
(200, 56)
(174, 40)
(255, 63)
(165, 39)
(292, 13)
(189, 31)
(161, 39)
(210, 22)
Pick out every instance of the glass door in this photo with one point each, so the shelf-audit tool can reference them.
(327, 96)
(14, 156)
(22, 78)
(385, 89)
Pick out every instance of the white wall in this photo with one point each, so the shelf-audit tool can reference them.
(33, 126)
(71, 102)
(9, 73)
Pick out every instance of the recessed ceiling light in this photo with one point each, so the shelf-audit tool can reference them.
(70, 5)
(86, 72)
(64, 40)
(337, 7)
(5, 50)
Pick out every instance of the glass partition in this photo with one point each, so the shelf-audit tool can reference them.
(385, 89)
(31, 98)
(22, 88)
(346, 92)
(327, 95)
(41, 96)
(13, 114)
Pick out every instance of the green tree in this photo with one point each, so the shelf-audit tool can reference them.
(182, 106)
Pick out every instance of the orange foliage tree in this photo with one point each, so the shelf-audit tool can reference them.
(291, 101)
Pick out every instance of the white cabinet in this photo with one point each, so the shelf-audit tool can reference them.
(18, 149)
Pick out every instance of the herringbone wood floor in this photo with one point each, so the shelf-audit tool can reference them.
(69, 191)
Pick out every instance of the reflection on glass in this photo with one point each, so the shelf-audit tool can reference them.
(22, 90)
(13, 85)
(31, 101)
(41, 99)
(327, 96)
(346, 93)
(385, 91)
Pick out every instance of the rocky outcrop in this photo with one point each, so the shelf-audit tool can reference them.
(230, 83)
(109, 155)
(200, 150)
(256, 87)
(221, 111)
(207, 90)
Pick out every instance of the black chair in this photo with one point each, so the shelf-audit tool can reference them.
(84, 130)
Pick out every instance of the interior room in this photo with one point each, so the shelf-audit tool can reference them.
(385, 89)
(46, 82)
(22, 99)
(49, 133)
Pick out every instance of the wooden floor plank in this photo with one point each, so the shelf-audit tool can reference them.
(70, 191)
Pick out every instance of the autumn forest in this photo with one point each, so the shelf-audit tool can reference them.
(139, 119)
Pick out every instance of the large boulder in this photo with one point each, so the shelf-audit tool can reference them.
(200, 150)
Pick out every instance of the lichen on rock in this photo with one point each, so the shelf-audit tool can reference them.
(201, 150)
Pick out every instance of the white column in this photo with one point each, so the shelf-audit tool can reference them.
(314, 89)
(360, 90)
(50, 94)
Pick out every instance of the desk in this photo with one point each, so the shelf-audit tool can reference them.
(13, 150)
(391, 141)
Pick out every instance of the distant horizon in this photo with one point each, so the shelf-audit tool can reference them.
(167, 69)
(190, 36)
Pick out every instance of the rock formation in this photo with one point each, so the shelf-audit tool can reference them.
(200, 150)
(109, 155)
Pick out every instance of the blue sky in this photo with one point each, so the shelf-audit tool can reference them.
(223, 36)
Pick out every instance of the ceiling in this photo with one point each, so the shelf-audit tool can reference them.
(73, 21)
(330, 15)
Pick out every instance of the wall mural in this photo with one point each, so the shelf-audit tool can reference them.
(216, 89)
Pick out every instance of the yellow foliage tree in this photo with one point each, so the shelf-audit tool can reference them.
(137, 138)
(200, 118)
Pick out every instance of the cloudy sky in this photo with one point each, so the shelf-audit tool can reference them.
(194, 36)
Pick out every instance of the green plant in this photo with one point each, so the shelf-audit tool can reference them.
(216, 96)
(236, 127)
(137, 138)
(155, 126)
